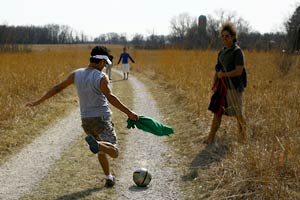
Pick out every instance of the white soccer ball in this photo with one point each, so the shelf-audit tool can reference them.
(141, 177)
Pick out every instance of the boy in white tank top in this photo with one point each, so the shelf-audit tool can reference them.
(94, 94)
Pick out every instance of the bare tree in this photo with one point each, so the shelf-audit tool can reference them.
(137, 40)
(215, 22)
(180, 25)
(293, 31)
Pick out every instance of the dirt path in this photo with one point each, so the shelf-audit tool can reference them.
(23, 172)
(149, 151)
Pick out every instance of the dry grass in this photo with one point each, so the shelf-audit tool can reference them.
(266, 168)
(25, 76)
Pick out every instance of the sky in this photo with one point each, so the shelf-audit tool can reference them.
(130, 17)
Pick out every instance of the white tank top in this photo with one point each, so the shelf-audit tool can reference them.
(93, 102)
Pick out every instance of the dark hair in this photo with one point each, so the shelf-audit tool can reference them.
(110, 57)
(228, 26)
(98, 50)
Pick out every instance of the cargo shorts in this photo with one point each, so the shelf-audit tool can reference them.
(101, 128)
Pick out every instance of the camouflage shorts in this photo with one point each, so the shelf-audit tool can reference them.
(101, 128)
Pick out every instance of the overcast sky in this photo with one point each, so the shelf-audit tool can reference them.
(95, 17)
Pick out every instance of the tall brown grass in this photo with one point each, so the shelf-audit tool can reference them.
(26, 75)
(267, 167)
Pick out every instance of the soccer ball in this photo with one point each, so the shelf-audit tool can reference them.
(141, 177)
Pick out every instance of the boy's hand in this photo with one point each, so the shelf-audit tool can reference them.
(133, 116)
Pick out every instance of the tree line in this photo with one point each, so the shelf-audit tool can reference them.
(201, 33)
(48, 34)
(186, 32)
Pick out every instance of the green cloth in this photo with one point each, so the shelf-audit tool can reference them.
(150, 125)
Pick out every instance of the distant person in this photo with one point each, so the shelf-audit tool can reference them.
(109, 66)
(93, 90)
(228, 84)
(125, 65)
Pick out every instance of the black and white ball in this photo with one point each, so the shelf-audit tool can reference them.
(141, 177)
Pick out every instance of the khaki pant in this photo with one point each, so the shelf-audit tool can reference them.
(234, 101)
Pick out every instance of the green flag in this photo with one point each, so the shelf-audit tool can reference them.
(150, 125)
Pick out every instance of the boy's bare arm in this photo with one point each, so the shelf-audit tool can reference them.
(54, 90)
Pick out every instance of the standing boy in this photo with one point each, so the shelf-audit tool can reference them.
(125, 65)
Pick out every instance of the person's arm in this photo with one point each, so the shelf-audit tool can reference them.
(54, 90)
(104, 87)
(131, 59)
(120, 59)
(237, 72)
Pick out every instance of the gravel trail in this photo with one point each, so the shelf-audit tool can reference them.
(22, 173)
(149, 151)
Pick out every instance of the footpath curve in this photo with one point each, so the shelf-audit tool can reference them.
(149, 151)
(23, 172)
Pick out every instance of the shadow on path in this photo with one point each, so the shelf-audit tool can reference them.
(80, 194)
(135, 188)
(117, 80)
(210, 154)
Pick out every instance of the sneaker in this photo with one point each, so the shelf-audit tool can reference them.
(110, 182)
(94, 146)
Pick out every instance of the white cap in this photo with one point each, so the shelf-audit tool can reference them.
(103, 57)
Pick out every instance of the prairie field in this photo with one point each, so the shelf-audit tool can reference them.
(265, 168)
(25, 76)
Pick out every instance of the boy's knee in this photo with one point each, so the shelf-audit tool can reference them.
(116, 154)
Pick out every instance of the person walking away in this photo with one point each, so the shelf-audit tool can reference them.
(228, 84)
(94, 94)
(109, 66)
(125, 65)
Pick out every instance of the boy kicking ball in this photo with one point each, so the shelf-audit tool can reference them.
(94, 94)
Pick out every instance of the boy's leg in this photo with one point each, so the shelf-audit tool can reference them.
(104, 163)
(109, 149)
(109, 179)
(104, 147)
(109, 72)
(98, 130)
